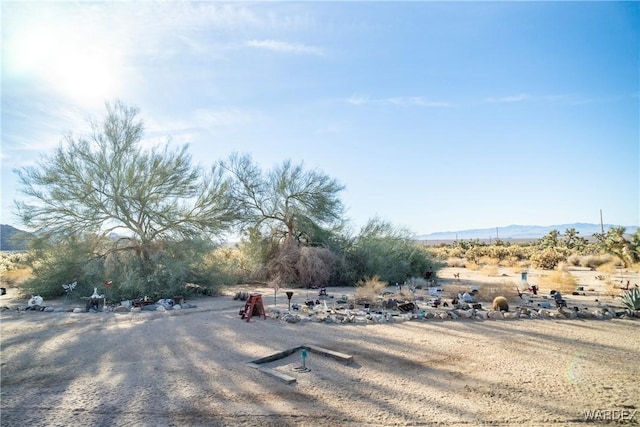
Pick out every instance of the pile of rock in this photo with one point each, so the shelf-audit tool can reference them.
(323, 314)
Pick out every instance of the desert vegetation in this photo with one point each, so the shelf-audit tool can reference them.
(134, 221)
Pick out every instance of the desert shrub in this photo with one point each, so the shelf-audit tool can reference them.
(594, 261)
(611, 288)
(223, 266)
(62, 264)
(452, 291)
(608, 267)
(369, 289)
(574, 260)
(547, 258)
(282, 267)
(470, 265)
(510, 261)
(14, 268)
(490, 270)
(417, 282)
(487, 260)
(519, 252)
(488, 292)
(456, 262)
(315, 266)
(474, 254)
(560, 281)
(385, 251)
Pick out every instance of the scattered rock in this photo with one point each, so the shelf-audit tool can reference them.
(482, 314)
(495, 315)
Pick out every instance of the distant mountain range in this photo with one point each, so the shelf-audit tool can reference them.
(520, 232)
(12, 239)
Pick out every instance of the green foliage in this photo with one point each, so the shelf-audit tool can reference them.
(108, 182)
(631, 299)
(64, 263)
(386, 251)
(614, 242)
(171, 265)
(287, 202)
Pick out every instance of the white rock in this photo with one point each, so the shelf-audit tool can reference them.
(482, 314)
(77, 310)
(544, 313)
(495, 315)
(465, 314)
(161, 308)
(177, 307)
(511, 315)
(444, 316)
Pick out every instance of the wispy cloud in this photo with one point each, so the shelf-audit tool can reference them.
(511, 98)
(400, 101)
(563, 98)
(285, 47)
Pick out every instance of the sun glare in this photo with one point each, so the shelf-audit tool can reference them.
(78, 66)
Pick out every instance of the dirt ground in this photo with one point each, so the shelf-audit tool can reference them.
(190, 368)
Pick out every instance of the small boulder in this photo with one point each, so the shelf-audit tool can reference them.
(495, 315)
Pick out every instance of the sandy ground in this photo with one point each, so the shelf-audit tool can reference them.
(189, 368)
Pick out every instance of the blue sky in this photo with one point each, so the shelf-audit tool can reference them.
(436, 116)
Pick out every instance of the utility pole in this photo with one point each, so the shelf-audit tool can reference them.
(601, 223)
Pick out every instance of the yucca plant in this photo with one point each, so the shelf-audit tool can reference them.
(631, 299)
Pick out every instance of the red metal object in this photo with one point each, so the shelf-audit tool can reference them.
(253, 307)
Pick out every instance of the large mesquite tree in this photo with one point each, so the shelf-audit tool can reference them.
(107, 182)
(287, 201)
(287, 206)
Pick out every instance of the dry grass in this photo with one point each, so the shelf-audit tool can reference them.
(487, 260)
(511, 262)
(490, 270)
(608, 268)
(15, 277)
(489, 292)
(456, 262)
(612, 288)
(560, 281)
(369, 289)
(470, 265)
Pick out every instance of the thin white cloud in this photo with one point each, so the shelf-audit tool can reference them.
(285, 47)
(400, 101)
(564, 98)
(511, 98)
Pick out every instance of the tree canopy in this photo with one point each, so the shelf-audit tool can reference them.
(287, 201)
(108, 182)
